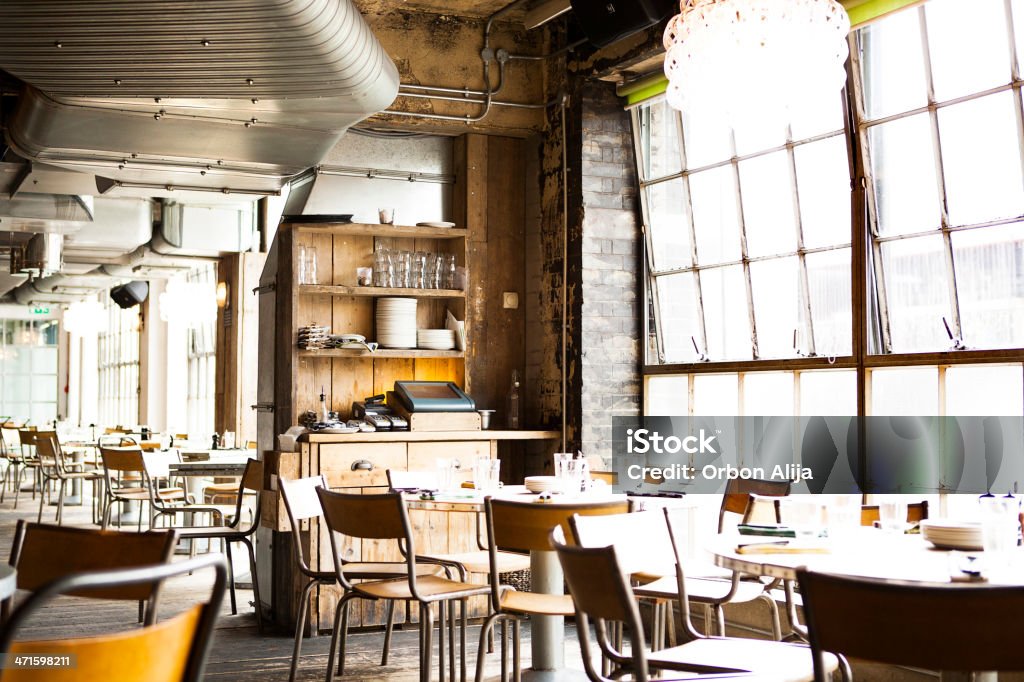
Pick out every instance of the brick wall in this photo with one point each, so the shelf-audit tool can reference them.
(609, 343)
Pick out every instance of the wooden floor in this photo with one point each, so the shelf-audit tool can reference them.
(238, 651)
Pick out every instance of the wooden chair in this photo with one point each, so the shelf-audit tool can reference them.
(10, 448)
(53, 469)
(172, 651)
(302, 504)
(43, 553)
(29, 460)
(602, 595)
(384, 517)
(916, 512)
(525, 526)
(235, 531)
(931, 626)
(746, 497)
(126, 480)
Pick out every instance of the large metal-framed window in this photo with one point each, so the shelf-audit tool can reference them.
(936, 140)
(118, 347)
(747, 237)
(28, 370)
(940, 124)
(201, 352)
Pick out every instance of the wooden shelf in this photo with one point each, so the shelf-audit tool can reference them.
(383, 353)
(439, 436)
(342, 290)
(376, 230)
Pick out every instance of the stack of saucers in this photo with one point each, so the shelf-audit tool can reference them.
(541, 484)
(950, 534)
(396, 322)
(313, 337)
(436, 339)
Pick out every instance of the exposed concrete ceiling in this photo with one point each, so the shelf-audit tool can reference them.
(460, 8)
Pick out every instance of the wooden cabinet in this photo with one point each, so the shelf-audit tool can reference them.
(335, 301)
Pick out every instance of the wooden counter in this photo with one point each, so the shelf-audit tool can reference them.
(358, 463)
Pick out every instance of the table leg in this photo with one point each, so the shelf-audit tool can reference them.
(547, 633)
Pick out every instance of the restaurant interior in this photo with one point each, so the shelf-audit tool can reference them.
(529, 339)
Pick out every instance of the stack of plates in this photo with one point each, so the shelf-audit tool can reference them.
(436, 339)
(314, 337)
(541, 484)
(396, 322)
(950, 534)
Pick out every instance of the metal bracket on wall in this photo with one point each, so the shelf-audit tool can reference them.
(265, 288)
(263, 407)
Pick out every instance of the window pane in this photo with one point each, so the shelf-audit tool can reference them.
(715, 219)
(828, 393)
(903, 169)
(917, 293)
(823, 183)
(44, 387)
(969, 49)
(705, 142)
(775, 285)
(985, 390)
(981, 159)
(677, 304)
(670, 230)
(715, 394)
(1018, 27)
(44, 360)
(726, 321)
(768, 211)
(660, 145)
(667, 395)
(17, 387)
(892, 65)
(828, 279)
(819, 121)
(989, 266)
(905, 392)
(768, 393)
(757, 136)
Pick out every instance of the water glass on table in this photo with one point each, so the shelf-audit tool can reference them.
(1000, 525)
(892, 516)
(445, 474)
(486, 474)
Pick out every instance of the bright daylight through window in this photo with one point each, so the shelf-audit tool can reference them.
(752, 234)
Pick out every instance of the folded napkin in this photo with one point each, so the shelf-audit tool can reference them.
(770, 531)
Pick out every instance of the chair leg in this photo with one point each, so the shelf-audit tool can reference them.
(42, 498)
(426, 644)
(231, 577)
(300, 625)
(338, 637)
(481, 652)
(387, 632)
(773, 611)
(442, 623)
(517, 668)
(720, 619)
(256, 584)
(463, 605)
(60, 500)
(17, 485)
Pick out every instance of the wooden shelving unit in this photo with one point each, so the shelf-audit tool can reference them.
(382, 353)
(374, 230)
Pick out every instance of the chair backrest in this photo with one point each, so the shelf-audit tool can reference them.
(916, 511)
(27, 437)
(601, 592)
(368, 517)
(737, 497)
(640, 539)
(252, 479)
(172, 651)
(44, 553)
(48, 450)
(123, 459)
(301, 503)
(933, 626)
(525, 526)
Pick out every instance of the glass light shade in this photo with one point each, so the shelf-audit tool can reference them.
(188, 303)
(222, 294)
(755, 59)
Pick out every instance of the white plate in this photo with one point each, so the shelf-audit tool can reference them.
(436, 223)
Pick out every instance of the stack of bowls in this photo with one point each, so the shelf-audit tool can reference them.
(436, 339)
(396, 322)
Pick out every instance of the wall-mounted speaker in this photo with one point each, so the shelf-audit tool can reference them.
(132, 293)
(605, 21)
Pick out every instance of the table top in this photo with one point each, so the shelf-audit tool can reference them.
(864, 552)
(467, 499)
(8, 580)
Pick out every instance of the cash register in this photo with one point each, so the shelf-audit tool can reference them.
(375, 411)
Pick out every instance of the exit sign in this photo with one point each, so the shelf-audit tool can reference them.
(39, 310)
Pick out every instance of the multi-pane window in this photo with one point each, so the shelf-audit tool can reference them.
(940, 107)
(118, 347)
(201, 354)
(28, 371)
(748, 237)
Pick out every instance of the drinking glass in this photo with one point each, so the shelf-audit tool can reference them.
(843, 515)
(1000, 527)
(486, 474)
(892, 516)
(445, 473)
(560, 461)
(802, 515)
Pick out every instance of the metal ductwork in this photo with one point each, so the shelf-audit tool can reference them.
(228, 95)
(43, 255)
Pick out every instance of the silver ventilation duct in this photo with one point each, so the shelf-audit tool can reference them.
(230, 95)
(44, 255)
